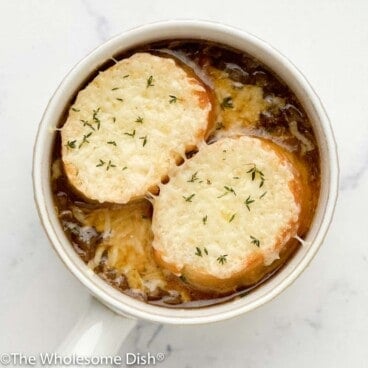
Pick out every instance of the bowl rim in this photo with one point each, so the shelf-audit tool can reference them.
(113, 298)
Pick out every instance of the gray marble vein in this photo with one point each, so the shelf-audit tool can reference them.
(102, 26)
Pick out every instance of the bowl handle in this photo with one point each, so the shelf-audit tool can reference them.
(98, 332)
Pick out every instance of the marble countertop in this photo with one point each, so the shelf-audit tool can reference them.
(322, 319)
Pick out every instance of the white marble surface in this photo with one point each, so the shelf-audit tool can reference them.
(322, 319)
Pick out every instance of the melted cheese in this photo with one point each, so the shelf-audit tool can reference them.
(224, 209)
(127, 127)
(127, 240)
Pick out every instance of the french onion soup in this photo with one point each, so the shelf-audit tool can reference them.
(185, 173)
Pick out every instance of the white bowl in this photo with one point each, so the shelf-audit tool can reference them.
(200, 30)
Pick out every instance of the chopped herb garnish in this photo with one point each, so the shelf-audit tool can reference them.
(232, 217)
(248, 202)
(115, 88)
(227, 191)
(198, 252)
(230, 190)
(173, 99)
(124, 168)
(182, 278)
(132, 134)
(71, 144)
(254, 171)
(120, 99)
(193, 178)
(113, 119)
(189, 198)
(85, 139)
(139, 120)
(227, 103)
(219, 125)
(112, 142)
(255, 241)
(144, 140)
(86, 123)
(101, 163)
(74, 109)
(95, 118)
(236, 177)
(126, 76)
(110, 164)
(222, 259)
(150, 81)
(204, 220)
(262, 195)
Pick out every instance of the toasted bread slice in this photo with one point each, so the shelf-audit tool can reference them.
(227, 213)
(129, 125)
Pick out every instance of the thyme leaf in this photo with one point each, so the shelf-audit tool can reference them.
(227, 103)
(85, 139)
(71, 144)
(255, 241)
(144, 140)
(198, 252)
(150, 81)
(219, 125)
(182, 278)
(254, 171)
(248, 202)
(173, 99)
(227, 191)
(222, 259)
(86, 123)
(132, 134)
(193, 178)
(95, 118)
(189, 198)
(101, 163)
(110, 164)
